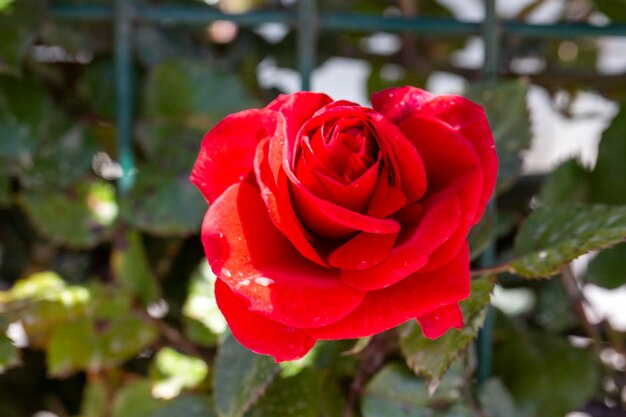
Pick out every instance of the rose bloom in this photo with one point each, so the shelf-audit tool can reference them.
(329, 220)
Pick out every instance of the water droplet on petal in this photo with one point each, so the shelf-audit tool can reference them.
(263, 281)
(225, 272)
(243, 283)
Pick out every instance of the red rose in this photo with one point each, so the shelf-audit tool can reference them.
(329, 220)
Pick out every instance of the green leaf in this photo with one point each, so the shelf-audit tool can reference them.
(5, 190)
(547, 376)
(24, 116)
(97, 342)
(194, 93)
(136, 400)
(614, 9)
(201, 305)
(480, 235)
(80, 327)
(80, 217)
(553, 236)
(163, 203)
(568, 183)
(188, 406)
(395, 392)
(432, 358)
(176, 372)
(507, 111)
(61, 160)
(606, 179)
(497, 401)
(554, 309)
(43, 301)
(19, 22)
(94, 403)
(608, 268)
(171, 145)
(96, 86)
(241, 377)
(9, 354)
(306, 394)
(130, 266)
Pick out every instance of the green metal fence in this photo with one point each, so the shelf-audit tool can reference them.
(308, 21)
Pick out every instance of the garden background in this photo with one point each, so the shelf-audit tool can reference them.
(106, 301)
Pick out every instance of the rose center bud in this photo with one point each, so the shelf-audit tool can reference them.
(351, 151)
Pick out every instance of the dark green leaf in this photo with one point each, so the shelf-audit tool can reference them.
(569, 183)
(96, 87)
(480, 236)
(241, 377)
(432, 358)
(395, 392)
(5, 190)
(497, 400)
(163, 203)
(306, 394)
(173, 146)
(136, 400)
(80, 217)
(607, 185)
(608, 268)
(61, 160)
(193, 93)
(553, 236)
(130, 266)
(9, 355)
(614, 9)
(188, 406)
(507, 111)
(19, 22)
(554, 308)
(547, 376)
(24, 117)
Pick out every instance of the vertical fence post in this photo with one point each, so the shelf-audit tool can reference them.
(124, 91)
(307, 40)
(489, 74)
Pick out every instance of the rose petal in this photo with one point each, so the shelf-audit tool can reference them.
(227, 151)
(401, 153)
(412, 297)
(296, 109)
(362, 251)
(280, 208)
(387, 199)
(258, 333)
(247, 252)
(354, 196)
(460, 113)
(329, 219)
(439, 321)
(441, 218)
(450, 160)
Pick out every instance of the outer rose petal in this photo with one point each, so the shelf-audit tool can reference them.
(257, 333)
(412, 297)
(466, 117)
(437, 322)
(247, 252)
(227, 151)
(297, 108)
(412, 250)
(279, 205)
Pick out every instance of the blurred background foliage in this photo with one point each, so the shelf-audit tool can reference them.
(106, 302)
